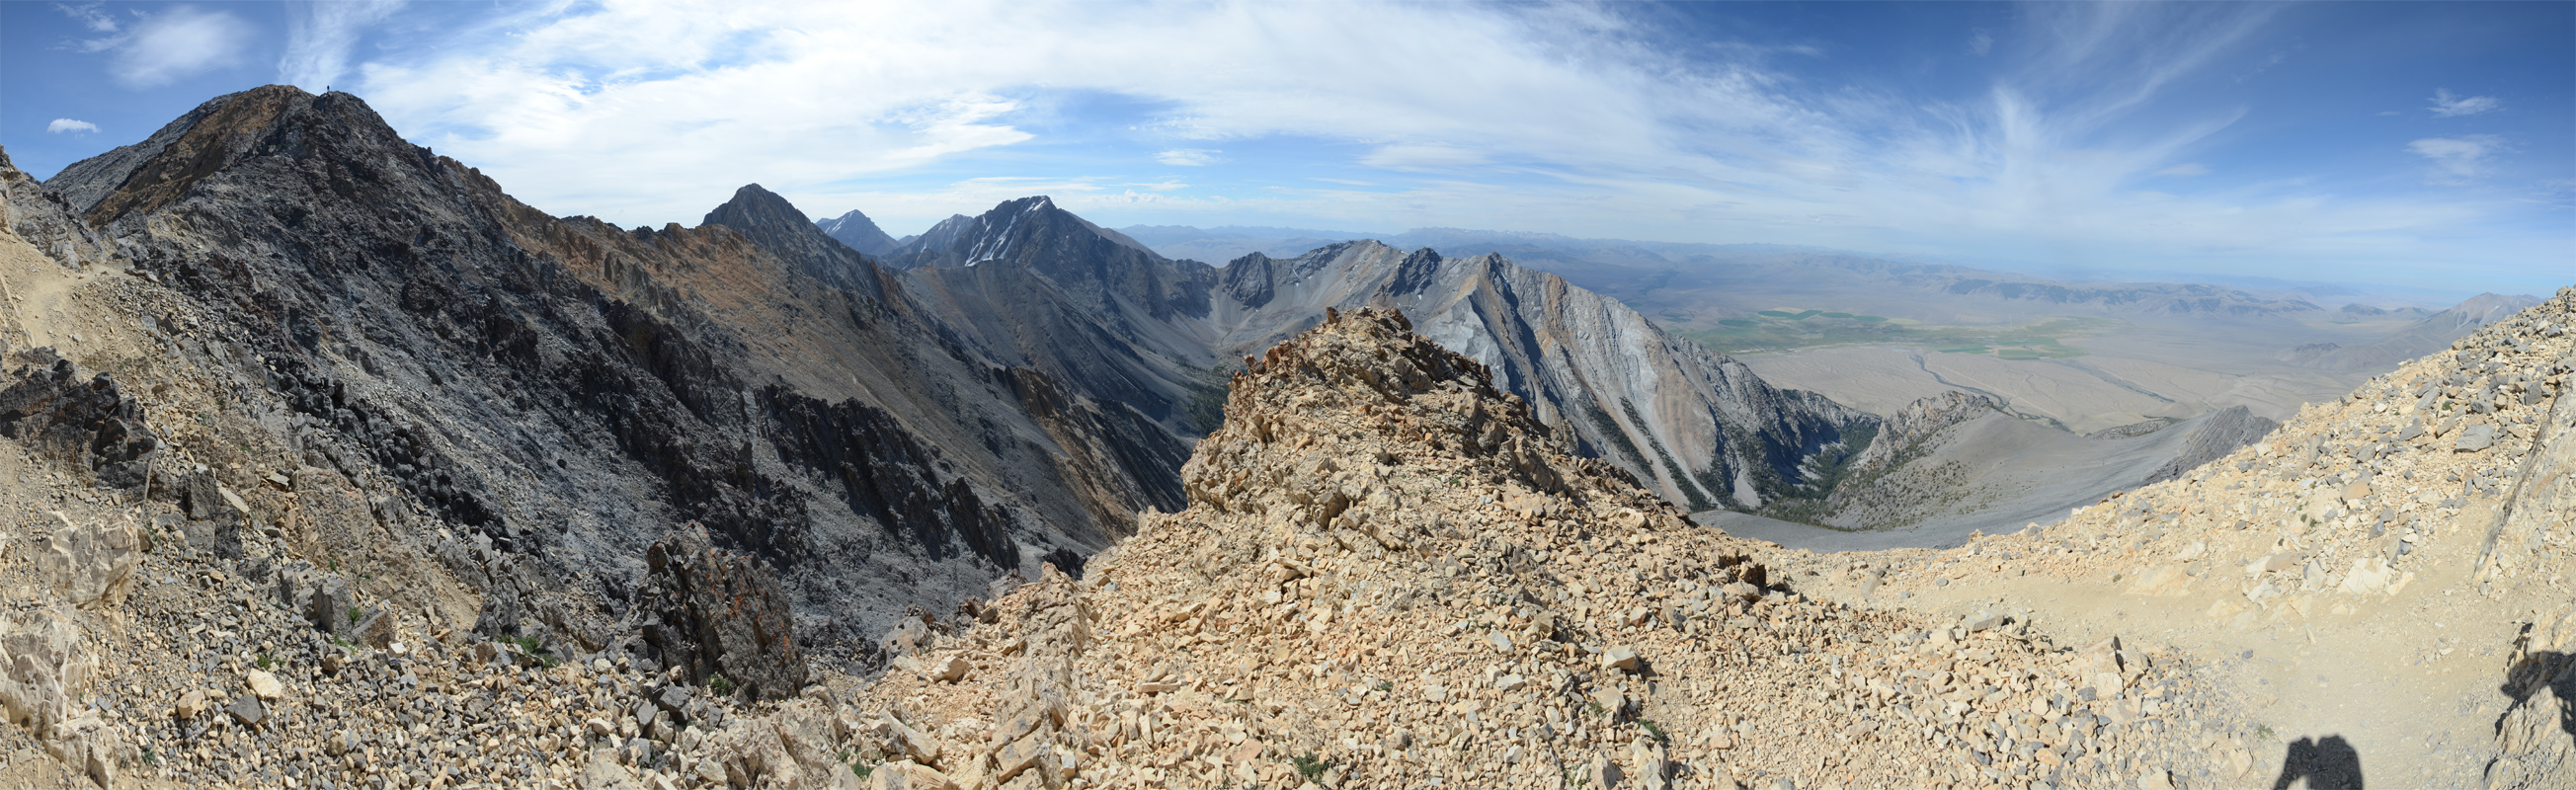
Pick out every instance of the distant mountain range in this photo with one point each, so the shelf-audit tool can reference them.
(1621, 266)
(1033, 284)
(859, 233)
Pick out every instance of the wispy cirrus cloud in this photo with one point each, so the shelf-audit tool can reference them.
(320, 35)
(1189, 157)
(90, 15)
(155, 49)
(1568, 118)
(2458, 159)
(2446, 105)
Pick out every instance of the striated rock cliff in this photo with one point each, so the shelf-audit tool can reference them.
(1034, 285)
(1698, 427)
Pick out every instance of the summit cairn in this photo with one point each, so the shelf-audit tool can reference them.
(1391, 575)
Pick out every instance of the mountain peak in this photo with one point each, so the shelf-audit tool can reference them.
(861, 233)
(1010, 231)
(775, 224)
(164, 167)
(754, 205)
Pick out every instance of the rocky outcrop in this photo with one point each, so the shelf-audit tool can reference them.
(92, 563)
(91, 424)
(47, 671)
(719, 617)
(46, 221)
(2218, 434)
(1900, 437)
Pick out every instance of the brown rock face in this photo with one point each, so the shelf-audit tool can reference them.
(713, 612)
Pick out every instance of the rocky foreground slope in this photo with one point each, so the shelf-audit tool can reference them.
(1390, 575)
(2388, 572)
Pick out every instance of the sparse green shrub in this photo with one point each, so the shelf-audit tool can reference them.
(721, 685)
(1310, 767)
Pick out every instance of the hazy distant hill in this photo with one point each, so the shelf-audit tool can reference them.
(859, 232)
(2418, 339)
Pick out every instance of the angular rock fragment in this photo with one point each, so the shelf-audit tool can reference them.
(92, 563)
(715, 613)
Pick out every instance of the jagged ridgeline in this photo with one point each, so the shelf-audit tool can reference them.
(335, 301)
(559, 393)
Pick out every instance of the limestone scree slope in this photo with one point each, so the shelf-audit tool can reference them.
(1389, 575)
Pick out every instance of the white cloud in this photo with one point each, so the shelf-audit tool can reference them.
(1572, 119)
(2458, 159)
(1422, 157)
(61, 125)
(319, 36)
(1981, 44)
(2447, 106)
(2184, 170)
(89, 16)
(1189, 157)
(176, 42)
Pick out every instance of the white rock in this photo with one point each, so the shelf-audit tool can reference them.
(92, 563)
(950, 669)
(264, 685)
(44, 668)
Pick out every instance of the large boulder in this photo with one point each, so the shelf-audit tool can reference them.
(92, 563)
(715, 612)
(90, 423)
(44, 669)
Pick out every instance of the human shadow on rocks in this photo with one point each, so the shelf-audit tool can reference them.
(2551, 670)
(2327, 764)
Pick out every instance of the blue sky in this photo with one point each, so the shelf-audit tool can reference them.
(2429, 145)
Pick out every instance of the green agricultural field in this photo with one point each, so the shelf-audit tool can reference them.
(1784, 330)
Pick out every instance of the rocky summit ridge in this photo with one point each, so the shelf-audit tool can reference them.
(1391, 575)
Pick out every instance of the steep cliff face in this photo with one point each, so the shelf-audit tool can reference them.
(1698, 427)
(571, 391)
